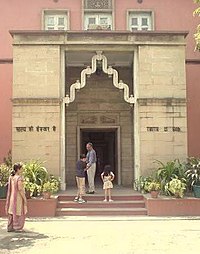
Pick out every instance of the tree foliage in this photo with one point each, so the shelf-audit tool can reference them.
(197, 34)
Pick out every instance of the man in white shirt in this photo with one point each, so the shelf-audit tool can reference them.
(91, 160)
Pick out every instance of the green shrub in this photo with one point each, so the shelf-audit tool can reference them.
(193, 171)
(176, 187)
(168, 171)
(4, 174)
(35, 175)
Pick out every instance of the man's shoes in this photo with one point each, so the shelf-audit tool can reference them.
(89, 192)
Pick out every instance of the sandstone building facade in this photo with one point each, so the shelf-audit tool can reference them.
(125, 93)
(122, 74)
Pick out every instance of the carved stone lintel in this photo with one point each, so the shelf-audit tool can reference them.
(99, 119)
(108, 120)
(88, 120)
(111, 72)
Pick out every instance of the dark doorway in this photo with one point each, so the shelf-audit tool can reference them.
(105, 145)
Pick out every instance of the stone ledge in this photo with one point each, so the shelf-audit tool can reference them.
(95, 37)
(172, 206)
(162, 101)
(37, 207)
(36, 101)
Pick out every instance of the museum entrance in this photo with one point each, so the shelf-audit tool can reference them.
(105, 142)
(98, 111)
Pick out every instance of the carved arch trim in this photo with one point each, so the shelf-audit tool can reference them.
(88, 71)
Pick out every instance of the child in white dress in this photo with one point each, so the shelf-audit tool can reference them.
(107, 177)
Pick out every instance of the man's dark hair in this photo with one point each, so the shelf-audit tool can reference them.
(82, 156)
(90, 144)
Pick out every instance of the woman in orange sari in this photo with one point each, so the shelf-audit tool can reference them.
(16, 203)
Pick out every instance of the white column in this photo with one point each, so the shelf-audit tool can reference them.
(136, 119)
(62, 119)
(62, 150)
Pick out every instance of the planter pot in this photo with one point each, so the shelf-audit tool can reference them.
(3, 192)
(46, 195)
(40, 207)
(196, 189)
(154, 194)
(177, 195)
(28, 194)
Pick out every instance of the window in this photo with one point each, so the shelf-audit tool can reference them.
(55, 20)
(140, 21)
(98, 21)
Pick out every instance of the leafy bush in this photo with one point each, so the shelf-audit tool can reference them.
(56, 181)
(168, 171)
(141, 184)
(154, 186)
(35, 175)
(193, 171)
(4, 174)
(49, 186)
(176, 187)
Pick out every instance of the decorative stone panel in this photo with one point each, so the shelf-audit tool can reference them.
(96, 119)
(97, 4)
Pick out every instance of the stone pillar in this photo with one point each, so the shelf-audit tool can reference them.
(36, 105)
(162, 104)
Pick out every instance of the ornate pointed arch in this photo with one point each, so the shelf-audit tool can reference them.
(107, 70)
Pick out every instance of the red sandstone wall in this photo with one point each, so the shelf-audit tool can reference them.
(169, 15)
(5, 109)
(22, 15)
(27, 15)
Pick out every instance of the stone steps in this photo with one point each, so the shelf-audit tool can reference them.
(122, 205)
(101, 197)
(101, 204)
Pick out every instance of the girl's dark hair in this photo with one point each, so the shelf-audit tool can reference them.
(15, 168)
(107, 170)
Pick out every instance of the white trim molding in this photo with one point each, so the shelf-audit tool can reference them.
(88, 71)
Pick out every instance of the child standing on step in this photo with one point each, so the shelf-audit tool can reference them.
(80, 179)
(107, 177)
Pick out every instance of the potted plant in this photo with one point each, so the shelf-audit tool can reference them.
(30, 188)
(154, 188)
(193, 175)
(4, 176)
(35, 174)
(167, 171)
(49, 188)
(176, 187)
(142, 183)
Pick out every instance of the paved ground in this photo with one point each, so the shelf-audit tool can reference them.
(112, 235)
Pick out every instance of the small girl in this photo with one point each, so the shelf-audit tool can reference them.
(107, 177)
